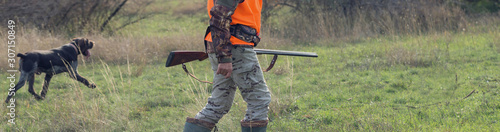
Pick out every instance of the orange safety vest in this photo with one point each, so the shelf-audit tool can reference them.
(246, 13)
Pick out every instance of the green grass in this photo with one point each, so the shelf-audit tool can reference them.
(393, 83)
(176, 18)
(383, 84)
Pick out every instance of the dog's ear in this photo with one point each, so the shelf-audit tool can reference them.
(75, 40)
(87, 43)
(81, 40)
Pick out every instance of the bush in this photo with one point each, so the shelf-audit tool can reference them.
(74, 16)
(311, 19)
(481, 6)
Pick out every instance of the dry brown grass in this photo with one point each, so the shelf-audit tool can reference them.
(119, 49)
(404, 56)
(189, 8)
(115, 49)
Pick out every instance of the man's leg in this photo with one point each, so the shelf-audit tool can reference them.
(250, 79)
(197, 125)
(221, 100)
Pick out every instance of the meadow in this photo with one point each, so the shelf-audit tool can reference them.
(437, 81)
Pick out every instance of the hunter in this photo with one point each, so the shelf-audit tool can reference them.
(229, 41)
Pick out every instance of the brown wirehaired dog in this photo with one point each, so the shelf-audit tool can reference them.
(52, 62)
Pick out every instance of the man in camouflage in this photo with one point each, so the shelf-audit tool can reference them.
(234, 29)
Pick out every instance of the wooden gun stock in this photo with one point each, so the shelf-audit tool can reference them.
(180, 57)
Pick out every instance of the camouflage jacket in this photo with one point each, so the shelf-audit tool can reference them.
(219, 28)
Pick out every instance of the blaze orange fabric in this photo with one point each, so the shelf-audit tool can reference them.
(247, 13)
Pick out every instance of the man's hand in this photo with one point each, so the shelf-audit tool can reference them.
(225, 69)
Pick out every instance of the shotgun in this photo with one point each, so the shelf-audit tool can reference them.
(180, 56)
(183, 56)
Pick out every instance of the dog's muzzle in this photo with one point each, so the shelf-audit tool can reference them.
(87, 53)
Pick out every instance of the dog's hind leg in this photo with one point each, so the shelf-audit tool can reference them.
(27, 68)
(20, 83)
(46, 83)
(31, 81)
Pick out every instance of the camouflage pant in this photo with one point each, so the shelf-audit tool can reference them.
(247, 75)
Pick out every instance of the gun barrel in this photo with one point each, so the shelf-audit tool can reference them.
(288, 53)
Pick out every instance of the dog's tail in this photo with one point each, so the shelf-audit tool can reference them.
(21, 55)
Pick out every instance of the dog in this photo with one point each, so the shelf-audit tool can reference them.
(52, 62)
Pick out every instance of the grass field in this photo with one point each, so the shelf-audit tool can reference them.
(445, 81)
(381, 84)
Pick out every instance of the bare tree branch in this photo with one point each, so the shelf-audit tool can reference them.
(113, 14)
(132, 22)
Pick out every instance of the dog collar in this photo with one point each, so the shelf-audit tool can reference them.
(73, 45)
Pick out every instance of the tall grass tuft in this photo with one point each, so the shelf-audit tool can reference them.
(118, 49)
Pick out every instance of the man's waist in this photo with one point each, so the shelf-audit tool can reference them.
(245, 33)
(240, 35)
(210, 47)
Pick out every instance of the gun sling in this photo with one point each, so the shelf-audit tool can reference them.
(187, 72)
(199, 80)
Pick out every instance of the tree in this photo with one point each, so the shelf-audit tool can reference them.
(76, 16)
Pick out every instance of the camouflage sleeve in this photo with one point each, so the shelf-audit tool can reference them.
(220, 23)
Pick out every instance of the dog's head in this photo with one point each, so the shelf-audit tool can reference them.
(83, 45)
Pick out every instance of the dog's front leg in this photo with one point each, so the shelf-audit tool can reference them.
(45, 86)
(74, 74)
(31, 81)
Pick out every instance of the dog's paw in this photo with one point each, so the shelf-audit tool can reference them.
(92, 86)
(39, 98)
(8, 99)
